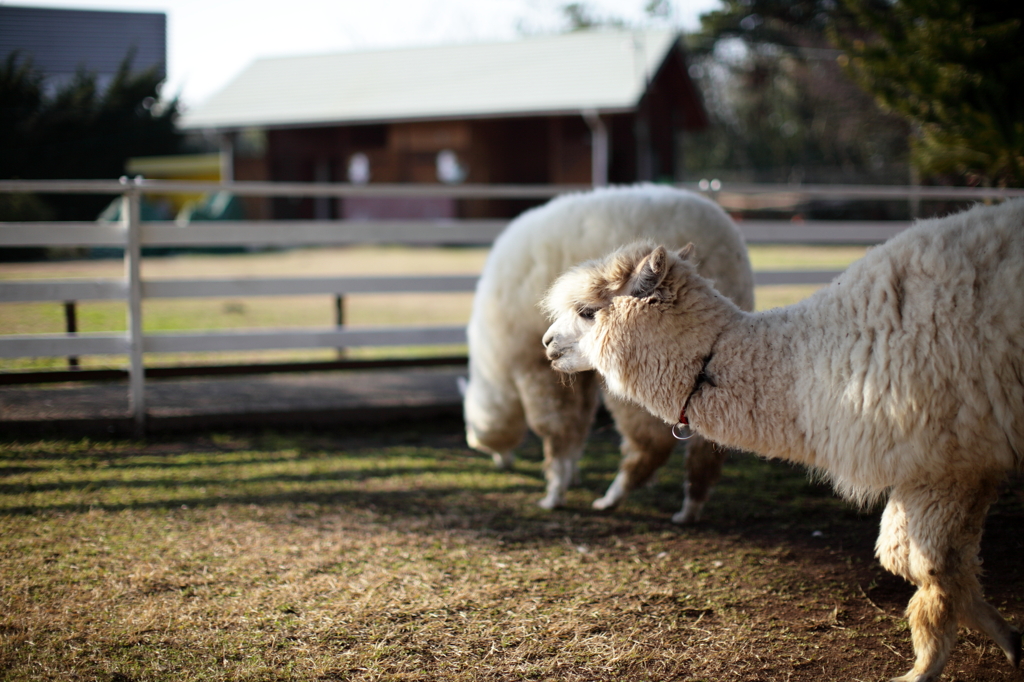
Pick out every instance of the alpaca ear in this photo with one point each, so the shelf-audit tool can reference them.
(651, 272)
(686, 253)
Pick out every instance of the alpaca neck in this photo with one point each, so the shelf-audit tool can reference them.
(661, 376)
(747, 398)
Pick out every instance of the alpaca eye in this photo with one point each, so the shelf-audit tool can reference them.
(587, 313)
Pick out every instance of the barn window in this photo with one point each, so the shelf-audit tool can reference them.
(449, 169)
(359, 169)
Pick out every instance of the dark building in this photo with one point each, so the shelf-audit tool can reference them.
(584, 107)
(60, 42)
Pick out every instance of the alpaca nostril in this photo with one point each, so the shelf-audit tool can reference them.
(548, 336)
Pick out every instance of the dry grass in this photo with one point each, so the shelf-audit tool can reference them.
(397, 554)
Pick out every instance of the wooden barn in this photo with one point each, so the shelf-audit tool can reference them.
(584, 107)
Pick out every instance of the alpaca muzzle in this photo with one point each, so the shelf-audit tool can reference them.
(563, 354)
(555, 348)
(549, 336)
(552, 349)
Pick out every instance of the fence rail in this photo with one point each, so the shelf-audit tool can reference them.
(132, 234)
(100, 290)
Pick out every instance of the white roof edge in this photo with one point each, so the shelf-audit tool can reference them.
(603, 71)
(327, 123)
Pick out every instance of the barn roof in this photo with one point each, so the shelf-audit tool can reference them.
(604, 70)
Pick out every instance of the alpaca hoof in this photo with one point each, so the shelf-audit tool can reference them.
(549, 502)
(683, 519)
(914, 677)
(615, 494)
(689, 514)
(504, 461)
(1013, 656)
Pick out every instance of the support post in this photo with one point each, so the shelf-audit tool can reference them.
(339, 319)
(644, 156)
(71, 326)
(598, 148)
(322, 205)
(131, 214)
(914, 200)
(227, 158)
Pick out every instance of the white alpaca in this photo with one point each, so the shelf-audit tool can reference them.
(903, 377)
(511, 384)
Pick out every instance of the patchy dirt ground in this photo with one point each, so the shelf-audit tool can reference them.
(398, 554)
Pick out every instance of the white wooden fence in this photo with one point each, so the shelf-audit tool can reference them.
(132, 234)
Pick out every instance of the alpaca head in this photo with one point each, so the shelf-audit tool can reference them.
(638, 316)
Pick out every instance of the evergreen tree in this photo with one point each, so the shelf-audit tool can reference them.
(955, 70)
(81, 131)
(781, 107)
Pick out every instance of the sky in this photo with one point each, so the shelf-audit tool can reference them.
(209, 42)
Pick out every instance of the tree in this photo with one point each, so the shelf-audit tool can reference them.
(80, 131)
(580, 16)
(781, 107)
(955, 70)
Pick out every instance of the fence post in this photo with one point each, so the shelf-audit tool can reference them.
(131, 214)
(914, 196)
(339, 319)
(71, 327)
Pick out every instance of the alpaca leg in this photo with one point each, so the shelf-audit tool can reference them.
(931, 534)
(983, 617)
(494, 418)
(977, 613)
(930, 627)
(558, 472)
(561, 415)
(893, 545)
(647, 443)
(704, 462)
(577, 477)
(932, 630)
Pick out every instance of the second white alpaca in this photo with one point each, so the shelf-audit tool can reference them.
(903, 377)
(511, 384)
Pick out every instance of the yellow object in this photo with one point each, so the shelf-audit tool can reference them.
(197, 167)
